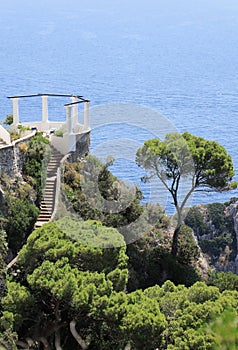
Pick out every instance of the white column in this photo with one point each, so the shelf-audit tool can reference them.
(44, 109)
(74, 111)
(15, 111)
(86, 115)
(69, 119)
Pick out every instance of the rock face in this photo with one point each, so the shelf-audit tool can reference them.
(232, 212)
(12, 158)
(216, 228)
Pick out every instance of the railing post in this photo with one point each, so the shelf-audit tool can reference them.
(86, 115)
(74, 111)
(44, 108)
(69, 119)
(15, 111)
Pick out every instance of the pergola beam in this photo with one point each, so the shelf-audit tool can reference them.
(52, 95)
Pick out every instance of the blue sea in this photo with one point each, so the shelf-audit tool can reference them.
(141, 63)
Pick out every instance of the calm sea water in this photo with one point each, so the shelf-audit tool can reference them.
(179, 59)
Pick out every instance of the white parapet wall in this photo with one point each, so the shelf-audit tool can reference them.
(64, 144)
(5, 136)
(45, 127)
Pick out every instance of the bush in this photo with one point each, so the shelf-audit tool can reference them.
(223, 280)
(14, 135)
(59, 133)
(188, 250)
(23, 147)
(9, 119)
(21, 218)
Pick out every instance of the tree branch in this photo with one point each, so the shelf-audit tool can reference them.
(77, 337)
(161, 178)
(186, 197)
(23, 345)
(57, 332)
(45, 343)
(57, 341)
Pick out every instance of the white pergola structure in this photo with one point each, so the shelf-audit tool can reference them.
(71, 127)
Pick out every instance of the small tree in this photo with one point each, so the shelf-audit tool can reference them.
(203, 164)
(9, 119)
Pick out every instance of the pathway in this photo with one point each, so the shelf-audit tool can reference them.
(48, 198)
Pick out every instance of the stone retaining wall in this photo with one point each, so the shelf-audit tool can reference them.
(82, 147)
(12, 157)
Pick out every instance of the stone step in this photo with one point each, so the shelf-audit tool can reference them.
(49, 189)
(46, 210)
(39, 224)
(44, 218)
(47, 202)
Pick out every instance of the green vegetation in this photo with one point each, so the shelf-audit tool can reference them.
(69, 293)
(214, 230)
(204, 163)
(92, 191)
(224, 330)
(8, 120)
(23, 128)
(37, 156)
(14, 135)
(21, 217)
(77, 285)
(18, 214)
(59, 133)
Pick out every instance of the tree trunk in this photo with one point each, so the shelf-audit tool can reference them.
(77, 337)
(57, 331)
(174, 250)
(45, 343)
(24, 346)
(57, 341)
(128, 346)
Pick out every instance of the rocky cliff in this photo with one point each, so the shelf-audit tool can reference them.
(216, 229)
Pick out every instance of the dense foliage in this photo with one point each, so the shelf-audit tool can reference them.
(17, 211)
(76, 284)
(66, 293)
(93, 193)
(214, 230)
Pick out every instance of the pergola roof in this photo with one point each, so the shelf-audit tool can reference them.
(54, 95)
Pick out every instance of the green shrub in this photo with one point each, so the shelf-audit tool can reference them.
(23, 128)
(59, 133)
(9, 119)
(188, 250)
(14, 135)
(21, 218)
(223, 280)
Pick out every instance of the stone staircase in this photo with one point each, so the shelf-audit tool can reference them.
(2, 143)
(48, 198)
